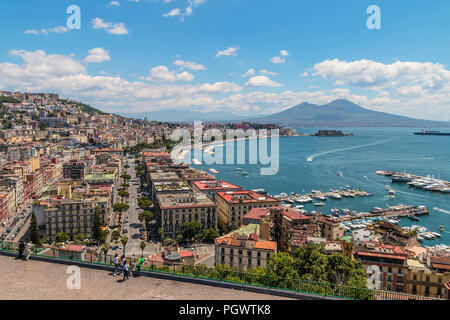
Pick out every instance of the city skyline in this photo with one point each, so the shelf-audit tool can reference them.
(206, 55)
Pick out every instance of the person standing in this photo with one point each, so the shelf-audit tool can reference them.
(132, 265)
(125, 270)
(123, 262)
(116, 264)
(140, 264)
(21, 249)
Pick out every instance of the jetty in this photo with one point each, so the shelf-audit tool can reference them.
(428, 183)
(320, 195)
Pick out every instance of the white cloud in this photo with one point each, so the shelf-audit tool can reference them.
(268, 73)
(368, 73)
(58, 29)
(261, 81)
(172, 13)
(113, 28)
(250, 72)
(189, 65)
(228, 52)
(97, 55)
(114, 3)
(39, 71)
(163, 74)
(281, 58)
(304, 74)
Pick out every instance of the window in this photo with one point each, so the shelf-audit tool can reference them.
(414, 277)
(428, 279)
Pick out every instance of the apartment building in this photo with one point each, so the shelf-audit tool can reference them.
(388, 263)
(211, 187)
(70, 216)
(244, 249)
(429, 279)
(174, 209)
(234, 205)
(74, 170)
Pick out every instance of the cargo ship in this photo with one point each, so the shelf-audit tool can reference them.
(432, 133)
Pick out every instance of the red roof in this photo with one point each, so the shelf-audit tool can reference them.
(245, 196)
(441, 266)
(185, 254)
(381, 255)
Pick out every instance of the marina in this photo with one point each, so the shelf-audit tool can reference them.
(428, 183)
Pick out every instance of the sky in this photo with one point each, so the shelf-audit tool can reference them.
(248, 57)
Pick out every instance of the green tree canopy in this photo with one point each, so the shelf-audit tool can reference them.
(34, 230)
(190, 229)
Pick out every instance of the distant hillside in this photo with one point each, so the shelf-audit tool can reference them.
(342, 113)
(89, 109)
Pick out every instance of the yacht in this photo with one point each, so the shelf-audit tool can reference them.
(319, 204)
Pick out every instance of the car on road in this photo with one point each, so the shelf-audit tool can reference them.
(142, 237)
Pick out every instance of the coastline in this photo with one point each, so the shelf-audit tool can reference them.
(205, 145)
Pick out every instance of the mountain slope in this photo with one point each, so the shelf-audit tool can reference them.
(342, 113)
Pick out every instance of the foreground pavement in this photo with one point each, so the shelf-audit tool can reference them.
(45, 281)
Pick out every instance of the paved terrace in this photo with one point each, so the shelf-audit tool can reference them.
(46, 281)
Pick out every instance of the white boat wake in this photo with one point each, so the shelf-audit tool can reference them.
(311, 158)
(442, 210)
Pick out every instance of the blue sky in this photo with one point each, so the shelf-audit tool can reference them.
(242, 56)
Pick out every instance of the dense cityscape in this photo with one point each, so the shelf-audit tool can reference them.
(77, 183)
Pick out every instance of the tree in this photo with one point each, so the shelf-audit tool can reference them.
(142, 245)
(210, 235)
(62, 237)
(34, 230)
(125, 185)
(144, 203)
(124, 194)
(79, 237)
(97, 226)
(190, 229)
(105, 249)
(124, 241)
(125, 176)
(168, 241)
(120, 207)
(115, 235)
(146, 216)
(311, 262)
(282, 265)
(342, 270)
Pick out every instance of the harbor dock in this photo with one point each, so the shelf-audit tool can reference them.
(428, 183)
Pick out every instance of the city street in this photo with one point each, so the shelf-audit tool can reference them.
(133, 245)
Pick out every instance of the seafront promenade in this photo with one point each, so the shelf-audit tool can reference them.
(47, 281)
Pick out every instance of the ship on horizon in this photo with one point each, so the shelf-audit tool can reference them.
(432, 133)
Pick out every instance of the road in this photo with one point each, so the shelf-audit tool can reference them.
(134, 241)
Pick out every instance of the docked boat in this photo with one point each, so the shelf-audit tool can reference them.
(319, 204)
(335, 196)
(401, 178)
(196, 162)
(413, 217)
(213, 170)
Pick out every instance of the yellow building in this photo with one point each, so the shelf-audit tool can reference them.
(425, 281)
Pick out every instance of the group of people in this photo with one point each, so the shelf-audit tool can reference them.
(121, 265)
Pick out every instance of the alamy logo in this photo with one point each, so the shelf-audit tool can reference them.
(74, 20)
(374, 20)
(74, 280)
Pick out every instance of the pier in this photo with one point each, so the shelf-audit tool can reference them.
(426, 183)
(319, 195)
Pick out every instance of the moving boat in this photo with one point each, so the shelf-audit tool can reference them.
(441, 228)
(339, 173)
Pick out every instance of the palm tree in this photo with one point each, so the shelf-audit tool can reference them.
(124, 241)
(143, 245)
